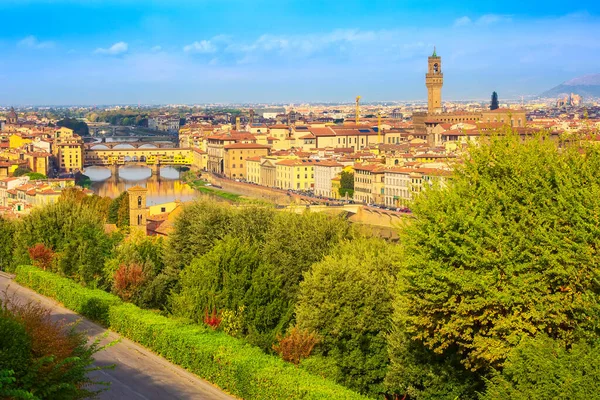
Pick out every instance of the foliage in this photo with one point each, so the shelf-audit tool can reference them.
(20, 171)
(195, 232)
(7, 232)
(92, 303)
(507, 251)
(494, 104)
(542, 368)
(347, 300)
(54, 359)
(253, 258)
(8, 390)
(230, 363)
(79, 127)
(233, 321)
(97, 204)
(75, 231)
(144, 254)
(41, 256)
(118, 211)
(219, 279)
(213, 320)
(128, 280)
(296, 345)
(35, 176)
(346, 184)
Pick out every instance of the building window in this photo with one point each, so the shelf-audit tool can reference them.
(139, 201)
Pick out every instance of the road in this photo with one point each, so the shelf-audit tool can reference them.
(139, 373)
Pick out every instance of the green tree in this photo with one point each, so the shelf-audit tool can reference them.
(347, 184)
(196, 231)
(20, 171)
(147, 252)
(494, 105)
(79, 127)
(7, 232)
(347, 300)
(219, 279)
(34, 176)
(74, 231)
(118, 211)
(293, 243)
(506, 251)
(543, 368)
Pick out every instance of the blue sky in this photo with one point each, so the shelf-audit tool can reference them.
(128, 51)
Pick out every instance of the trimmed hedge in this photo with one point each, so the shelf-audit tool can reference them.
(230, 363)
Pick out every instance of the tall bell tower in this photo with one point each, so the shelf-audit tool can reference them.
(138, 211)
(434, 80)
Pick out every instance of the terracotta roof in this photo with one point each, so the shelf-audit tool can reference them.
(246, 146)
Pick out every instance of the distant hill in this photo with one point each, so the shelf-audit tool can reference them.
(586, 86)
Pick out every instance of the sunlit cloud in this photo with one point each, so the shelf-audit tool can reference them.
(115, 49)
(201, 47)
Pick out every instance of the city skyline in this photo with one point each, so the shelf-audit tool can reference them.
(133, 52)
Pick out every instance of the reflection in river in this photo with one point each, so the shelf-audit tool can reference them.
(161, 189)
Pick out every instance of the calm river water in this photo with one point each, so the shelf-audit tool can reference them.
(161, 189)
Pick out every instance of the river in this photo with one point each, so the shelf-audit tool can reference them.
(161, 189)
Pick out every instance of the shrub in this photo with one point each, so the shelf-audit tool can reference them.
(213, 320)
(296, 345)
(230, 363)
(41, 256)
(93, 303)
(128, 280)
(542, 368)
(58, 358)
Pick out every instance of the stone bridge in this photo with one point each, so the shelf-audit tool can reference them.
(150, 157)
(135, 145)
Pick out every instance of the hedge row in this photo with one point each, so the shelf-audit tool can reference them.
(230, 363)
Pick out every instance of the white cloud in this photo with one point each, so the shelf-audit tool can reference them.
(484, 20)
(203, 47)
(489, 19)
(115, 49)
(462, 21)
(32, 42)
(156, 48)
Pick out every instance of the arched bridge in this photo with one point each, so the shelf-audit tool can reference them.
(138, 156)
(135, 145)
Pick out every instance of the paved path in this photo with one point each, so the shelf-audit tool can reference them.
(139, 373)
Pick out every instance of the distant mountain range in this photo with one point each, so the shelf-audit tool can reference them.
(586, 86)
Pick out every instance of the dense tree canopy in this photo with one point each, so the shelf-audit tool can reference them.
(507, 251)
(543, 368)
(346, 299)
(79, 127)
(74, 231)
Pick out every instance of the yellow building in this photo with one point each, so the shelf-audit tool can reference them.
(253, 169)
(70, 156)
(236, 154)
(17, 140)
(296, 174)
(68, 150)
(200, 159)
(369, 183)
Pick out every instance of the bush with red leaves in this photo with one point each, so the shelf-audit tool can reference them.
(129, 279)
(296, 345)
(213, 320)
(41, 256)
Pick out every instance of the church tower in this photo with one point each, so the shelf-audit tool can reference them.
(434, 79)
(138, 211)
